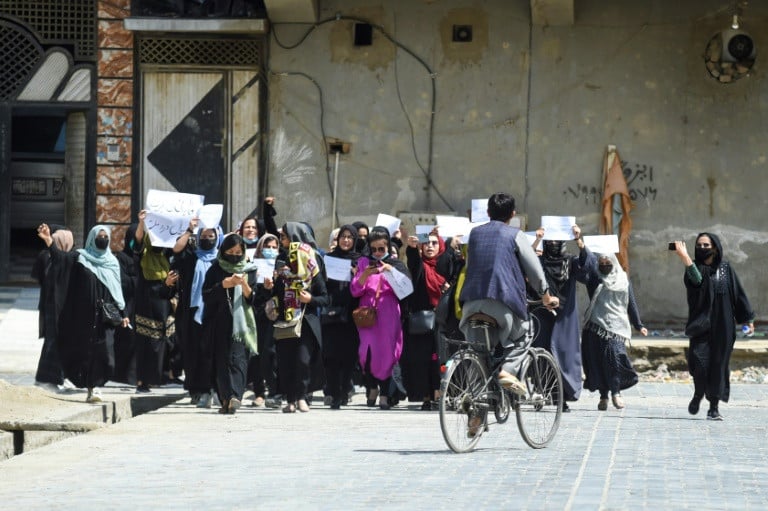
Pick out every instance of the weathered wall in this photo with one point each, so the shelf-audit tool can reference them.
(626, 73)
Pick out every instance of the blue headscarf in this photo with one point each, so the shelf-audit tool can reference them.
(103, 264)
(204, 260)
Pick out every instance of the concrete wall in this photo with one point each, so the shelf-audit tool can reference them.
(531, 110)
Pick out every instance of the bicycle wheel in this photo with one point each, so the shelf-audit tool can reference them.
(538, 413)
(463, 411)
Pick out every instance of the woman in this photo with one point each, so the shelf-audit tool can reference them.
(300, 290)
(432, 270)
(262, 367)
(191, 262)
(53, 280)
(125, 342)
(229, 322)
(611, 310)
(559, 333)
(252, 228)
(362, 237)
(85, 339)
(716, 302)
(340, 339)
(382, 344)
(154, 323)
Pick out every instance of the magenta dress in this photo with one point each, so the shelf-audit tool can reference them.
(385, 338)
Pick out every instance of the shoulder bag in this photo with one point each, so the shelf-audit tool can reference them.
(334, 314)
(109, 312)
(365, 317)
(289, 329)
(421, 322)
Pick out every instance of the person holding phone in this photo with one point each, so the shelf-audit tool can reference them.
(716, 302)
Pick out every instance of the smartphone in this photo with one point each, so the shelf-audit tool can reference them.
(672, 246)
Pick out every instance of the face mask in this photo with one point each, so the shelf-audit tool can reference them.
(232, 259)
(553, 248)
(359, 245)
(702, 254)
(101, 243)
(207, 243)
(252, 242)
(269, 253)
(605, 269)
(379, 256)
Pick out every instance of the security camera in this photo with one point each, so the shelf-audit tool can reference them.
(738, 46)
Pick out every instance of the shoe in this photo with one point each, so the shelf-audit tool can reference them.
(371, 397)
(68, 385)
(474, 425)
(224, 408)
(426, 406)
(289, 408)
(303, 406)
(512, 383)
(143, 389)
(618, 402)
(566, 408)
(259, 402)
(205, 401)
(215, 397)
(714, 415)
(602, 405)
(194, 398)
(273, 402)
(94, 396)
(693, 406)
(233, 405)
(336, 404)
(327, 400)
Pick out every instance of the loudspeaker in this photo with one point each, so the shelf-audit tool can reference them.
(738, 46)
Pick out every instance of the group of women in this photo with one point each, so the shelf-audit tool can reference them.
(203, 309)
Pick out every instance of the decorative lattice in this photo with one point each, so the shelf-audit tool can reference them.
(19, 54)
(211, 52)
(59, 22)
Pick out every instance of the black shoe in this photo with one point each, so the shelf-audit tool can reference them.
(566, 408)
(142, 389)
(426, 406)
(336, 404)
(714, 415)
(693, 406)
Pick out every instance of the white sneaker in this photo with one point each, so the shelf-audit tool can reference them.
(68, 385)
(94, 396)
(215, 398)
(205, 400)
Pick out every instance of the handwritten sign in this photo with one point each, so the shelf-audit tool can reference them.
(558, 227)
(169, 214)
(210, 215)
(602, 244)
(401, 284)
(338, 269)
(392, 223)
(451, 226)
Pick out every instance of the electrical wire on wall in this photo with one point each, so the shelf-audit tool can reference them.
(430, 145)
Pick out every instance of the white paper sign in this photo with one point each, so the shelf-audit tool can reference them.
(338, 269)
(558, 227)
(602, 244)
(465, 238)
(422, 232)
(401, 284)
(450, 226)
(169, 214)
(264, 268)
(392, 223)
(479, 210)
(210, 215)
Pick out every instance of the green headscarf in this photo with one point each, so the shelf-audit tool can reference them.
(154, 265)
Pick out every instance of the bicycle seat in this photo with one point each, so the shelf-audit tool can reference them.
(480, 317)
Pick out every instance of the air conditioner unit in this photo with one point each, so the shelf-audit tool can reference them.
(738, 46)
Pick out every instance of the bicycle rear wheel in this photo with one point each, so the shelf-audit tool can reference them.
(463, 411)
(538, 413)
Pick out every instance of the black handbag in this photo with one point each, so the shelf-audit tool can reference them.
(421, 322)
(334, 314)
(110, 314)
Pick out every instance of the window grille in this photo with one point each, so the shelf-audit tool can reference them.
(205, 51)
(19, 55)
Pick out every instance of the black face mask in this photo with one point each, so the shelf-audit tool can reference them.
(101, 243)
(360, 245)
(554, 249)
(207, 243)
(702, 254)
(605, 269)
(232, 259)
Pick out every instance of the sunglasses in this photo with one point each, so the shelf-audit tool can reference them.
(430, 242)
(378, 249)
(346, 237)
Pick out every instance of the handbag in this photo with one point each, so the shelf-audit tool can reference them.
(110, 314)
(334, 314)
(289, 329)
(421, 322)
(365, 317)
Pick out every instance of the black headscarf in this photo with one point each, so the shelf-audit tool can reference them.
(301, 232)
(346, 254)
(360, 243)
(715, 245)
(557, 265)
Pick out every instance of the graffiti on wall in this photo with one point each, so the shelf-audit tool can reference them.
(640, 182)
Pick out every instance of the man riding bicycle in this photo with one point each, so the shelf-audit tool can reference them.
(499, 262)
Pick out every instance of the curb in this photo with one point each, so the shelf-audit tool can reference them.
(647, 354)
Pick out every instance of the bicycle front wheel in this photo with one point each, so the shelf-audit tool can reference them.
(538, 413)
(463, 411)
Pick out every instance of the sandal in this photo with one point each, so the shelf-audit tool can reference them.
(618, 402)
(371, 398)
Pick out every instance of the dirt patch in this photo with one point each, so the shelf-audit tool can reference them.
(28, 404)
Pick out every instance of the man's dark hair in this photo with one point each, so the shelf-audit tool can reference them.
(501, 207)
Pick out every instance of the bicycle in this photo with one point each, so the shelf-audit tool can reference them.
(470, 389)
